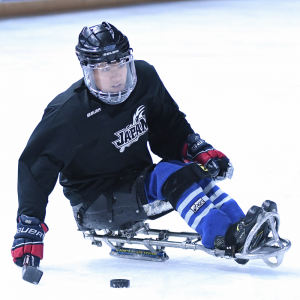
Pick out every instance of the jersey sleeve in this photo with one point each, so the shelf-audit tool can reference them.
(168, 127)
(49, 150)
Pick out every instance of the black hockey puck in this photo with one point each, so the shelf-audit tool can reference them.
(120, 283)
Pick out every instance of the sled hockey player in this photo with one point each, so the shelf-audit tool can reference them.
(94, 137)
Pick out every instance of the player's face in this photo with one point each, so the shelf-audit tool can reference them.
(111, 78)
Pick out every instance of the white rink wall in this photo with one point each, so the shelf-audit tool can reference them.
(233, 67)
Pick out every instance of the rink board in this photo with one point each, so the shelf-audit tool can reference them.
(36, 7)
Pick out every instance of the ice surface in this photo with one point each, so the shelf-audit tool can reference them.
(234, 69)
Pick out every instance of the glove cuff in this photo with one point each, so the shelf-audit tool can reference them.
(31, 228)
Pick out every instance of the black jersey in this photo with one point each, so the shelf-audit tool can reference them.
(89, 142)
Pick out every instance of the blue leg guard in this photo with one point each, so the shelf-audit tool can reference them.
(201, 215)
(204, 206)
(221, 200)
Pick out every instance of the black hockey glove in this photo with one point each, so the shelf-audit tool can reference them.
(197, 150)
(29, 241)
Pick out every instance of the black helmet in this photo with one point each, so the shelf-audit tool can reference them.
(103, 48)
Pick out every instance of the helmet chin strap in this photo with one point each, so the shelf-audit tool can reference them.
(109, 99)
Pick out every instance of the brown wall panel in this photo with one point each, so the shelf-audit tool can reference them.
(54, 6)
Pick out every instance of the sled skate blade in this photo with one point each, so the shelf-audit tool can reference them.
(273, 247)
(140, 254)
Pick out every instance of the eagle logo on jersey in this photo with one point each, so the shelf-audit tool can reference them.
(129, 135)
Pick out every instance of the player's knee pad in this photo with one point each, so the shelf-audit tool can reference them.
(178, 182)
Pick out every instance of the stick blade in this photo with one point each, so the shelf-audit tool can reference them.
(32, 274)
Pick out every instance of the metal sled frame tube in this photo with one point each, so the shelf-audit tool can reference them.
(190, 235)
(182, 245)
(267, 217)
(267, 250)
(274, 247)
(113, 239)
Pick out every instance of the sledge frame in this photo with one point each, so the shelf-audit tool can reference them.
(275, 246)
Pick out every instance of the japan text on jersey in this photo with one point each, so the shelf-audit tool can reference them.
(132, 132)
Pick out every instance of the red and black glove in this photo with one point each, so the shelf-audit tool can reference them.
(197, 150)
(29, 241)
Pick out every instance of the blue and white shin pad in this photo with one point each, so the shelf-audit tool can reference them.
(221, 200)
(201, 215)
(208, 210)
(204, 206)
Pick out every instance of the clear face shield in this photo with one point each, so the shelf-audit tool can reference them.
(111, 82)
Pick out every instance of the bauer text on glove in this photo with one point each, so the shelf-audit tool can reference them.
(29, 240)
